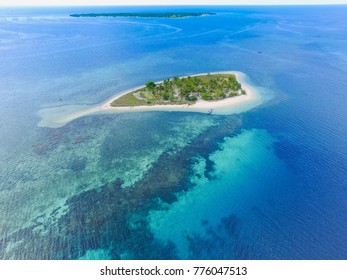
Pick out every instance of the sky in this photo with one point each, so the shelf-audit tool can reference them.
(163, 2)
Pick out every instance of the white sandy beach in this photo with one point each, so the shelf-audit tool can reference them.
(226, 106)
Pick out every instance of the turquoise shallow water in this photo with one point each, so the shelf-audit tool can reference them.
(215, 206)
(269, 183)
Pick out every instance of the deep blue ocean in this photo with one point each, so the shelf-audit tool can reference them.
(269, 183)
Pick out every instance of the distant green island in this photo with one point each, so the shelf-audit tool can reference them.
(145, 15)
(185, 90)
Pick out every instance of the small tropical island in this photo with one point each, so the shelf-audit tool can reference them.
(218, 93)
(145, 15)
(185, 90)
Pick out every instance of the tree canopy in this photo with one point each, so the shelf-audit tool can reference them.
(188, 89)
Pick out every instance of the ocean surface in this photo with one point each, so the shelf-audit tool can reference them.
(268, 183)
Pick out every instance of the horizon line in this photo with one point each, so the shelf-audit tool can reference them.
(172, 5)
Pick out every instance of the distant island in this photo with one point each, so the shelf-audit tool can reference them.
(185, 90)
(145, 15)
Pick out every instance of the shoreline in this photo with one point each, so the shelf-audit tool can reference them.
(231, 105)
(198, 105)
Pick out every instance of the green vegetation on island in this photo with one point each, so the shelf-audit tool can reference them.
(145, 15)
(188, 90)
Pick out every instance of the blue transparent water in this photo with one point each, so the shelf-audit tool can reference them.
(266, 184)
